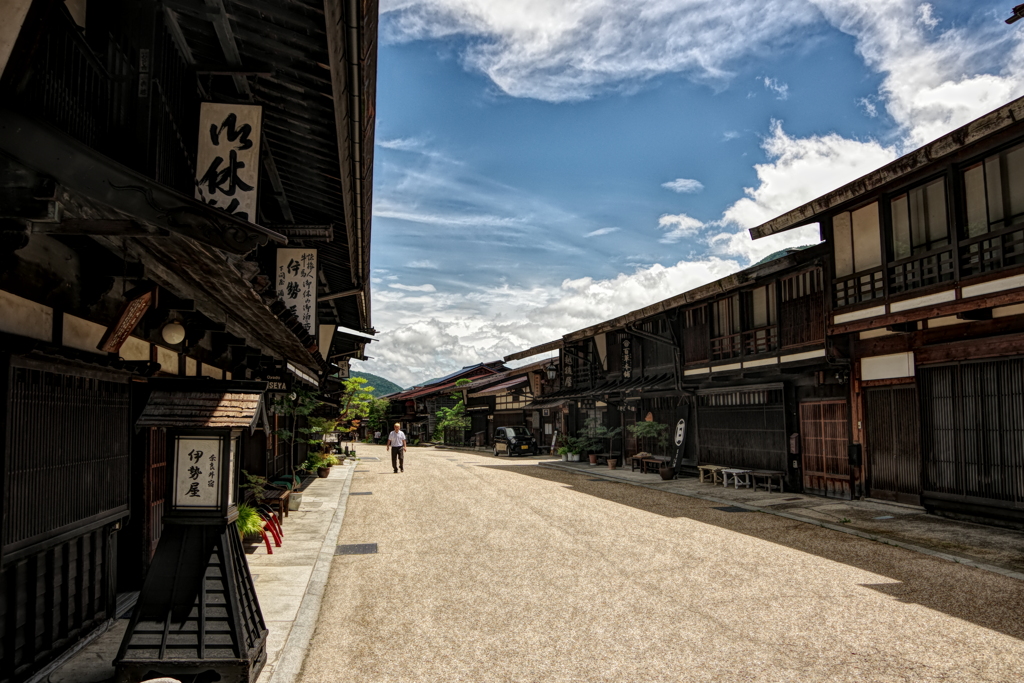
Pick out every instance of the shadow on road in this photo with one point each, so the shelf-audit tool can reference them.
(984, 598)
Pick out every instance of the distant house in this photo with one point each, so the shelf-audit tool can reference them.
(416, 408)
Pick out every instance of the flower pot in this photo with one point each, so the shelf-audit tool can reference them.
(667, 472)
(574, 457)
(565, 457)
(613, 463)
(294, 501)
(323, 472)
(593, 458)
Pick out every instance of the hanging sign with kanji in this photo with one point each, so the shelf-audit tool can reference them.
(296, 284)
(228, 157)
(197, 472)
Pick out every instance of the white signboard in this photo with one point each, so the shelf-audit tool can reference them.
(228, 157)
(296, 284)
(197, 467)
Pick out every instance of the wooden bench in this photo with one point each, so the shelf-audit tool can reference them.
(636, 460)
(713, 471)
(653, 463)
(740, 477)
(767, 479)
(278, 499)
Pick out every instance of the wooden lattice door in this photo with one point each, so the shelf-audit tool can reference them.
(894, 447)
(156, 488)
(824, 440)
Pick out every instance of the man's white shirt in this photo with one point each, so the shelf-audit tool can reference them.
(396, 439)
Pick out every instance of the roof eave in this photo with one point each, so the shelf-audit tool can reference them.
(980, 128)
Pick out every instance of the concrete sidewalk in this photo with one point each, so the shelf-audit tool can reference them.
(976, 545)
(289, 585)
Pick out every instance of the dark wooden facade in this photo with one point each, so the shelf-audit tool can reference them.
(99, 121)
(926, 287)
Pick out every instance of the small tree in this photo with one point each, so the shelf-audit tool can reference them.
(655, 432)
(453, 418)
(596, 434)
(356, 402)
(299, 403)
(377, 414)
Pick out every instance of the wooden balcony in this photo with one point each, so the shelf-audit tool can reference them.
(761, 340)
(921, 270)
(724, 348)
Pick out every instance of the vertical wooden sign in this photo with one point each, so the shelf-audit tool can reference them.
(296, 284)
(228, 157)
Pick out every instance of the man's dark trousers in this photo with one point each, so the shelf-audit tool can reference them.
(397, 458)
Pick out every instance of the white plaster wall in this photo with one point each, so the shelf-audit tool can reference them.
(13, 13)
(887, 367)
(167, 359)
(82, 334)
(24, 317)
(134, 349)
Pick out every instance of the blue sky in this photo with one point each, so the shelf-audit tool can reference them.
(547, 164)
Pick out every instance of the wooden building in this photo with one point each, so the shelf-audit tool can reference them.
(743, 361)
(184, 191)
(924, 273)
(415, 409)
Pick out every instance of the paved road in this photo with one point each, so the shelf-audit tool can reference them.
(499, 570)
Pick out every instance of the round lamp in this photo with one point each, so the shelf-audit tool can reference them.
(173, 333)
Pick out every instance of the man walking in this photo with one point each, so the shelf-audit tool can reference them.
(396, 442)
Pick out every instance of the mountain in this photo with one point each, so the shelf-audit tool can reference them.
(381, 386)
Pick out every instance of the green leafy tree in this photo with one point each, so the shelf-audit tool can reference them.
(377, 414)
(454, 418)
(356, 402)
(298, 404)
(652, 433)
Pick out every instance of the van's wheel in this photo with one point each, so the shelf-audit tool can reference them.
(495, 451)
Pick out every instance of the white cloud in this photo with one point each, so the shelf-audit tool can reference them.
(801, 169)
(780, 89)
(926, 15)
(401, 144)
(424, 263)
(684, 185)
(565, 50)
(601, 231)
(678, 226)
(935, 81)
(413, 288)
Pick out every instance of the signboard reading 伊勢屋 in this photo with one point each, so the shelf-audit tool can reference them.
(228, 157)
(296, 284)
(197, 472)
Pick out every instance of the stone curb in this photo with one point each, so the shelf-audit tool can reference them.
(797, 518)
(296, 645)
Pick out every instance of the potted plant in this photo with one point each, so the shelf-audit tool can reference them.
(249, 523)
(597, 436)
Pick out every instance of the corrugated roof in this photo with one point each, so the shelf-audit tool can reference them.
(200, 409)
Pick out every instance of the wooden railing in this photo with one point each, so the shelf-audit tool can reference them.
(921, 270)
(859, 287)
(723, 348)
(761, 340)
(993, 251)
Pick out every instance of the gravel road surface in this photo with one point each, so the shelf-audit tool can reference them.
(493, 569)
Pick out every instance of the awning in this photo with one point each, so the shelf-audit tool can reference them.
(542, 405)
(197, 404)
(85, 171)
(500, 388)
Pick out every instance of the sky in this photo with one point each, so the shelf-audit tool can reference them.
(543, 165)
